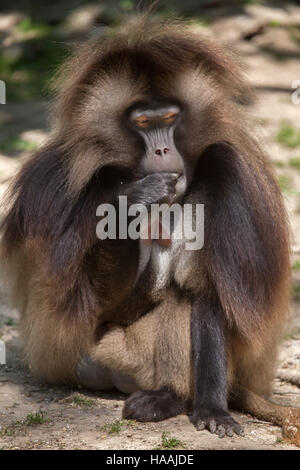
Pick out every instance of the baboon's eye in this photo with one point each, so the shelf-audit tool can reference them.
(170, 116)
(141, 121)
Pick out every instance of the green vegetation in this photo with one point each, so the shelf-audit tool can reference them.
(117, 426)
(296, 265)
(274, 23)
(126, 5)
(80, 400)
(284, 182)
(278, 163)
(28, 26)
(293, 334)
(32, 419)
(170, 442)
(295, 162)
(16, 144)
(10, 322)
(249, 2)
(296, 292)
(289, 136)
(9, 431)
(27, 66)
(276, 54)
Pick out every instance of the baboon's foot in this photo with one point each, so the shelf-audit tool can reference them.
(154, 405)
(217, 422)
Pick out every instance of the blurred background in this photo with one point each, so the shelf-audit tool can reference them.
(35, 36)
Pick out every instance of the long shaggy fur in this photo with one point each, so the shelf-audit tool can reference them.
(68, 282)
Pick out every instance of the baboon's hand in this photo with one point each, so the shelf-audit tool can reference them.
(217, 422)
(155, 188)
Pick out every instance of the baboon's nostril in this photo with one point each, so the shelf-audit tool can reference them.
(158, 152)
(166, 150)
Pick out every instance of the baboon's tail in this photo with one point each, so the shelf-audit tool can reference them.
(287, 417)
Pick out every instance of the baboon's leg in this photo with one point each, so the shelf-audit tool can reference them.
(171, 363)
(54, 342)
(151, 353)
(94, 376)
(52, 346)
(128, 353)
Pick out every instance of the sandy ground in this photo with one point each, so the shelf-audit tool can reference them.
(67, 420)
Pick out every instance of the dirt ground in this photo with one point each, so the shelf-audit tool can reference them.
(36, 416)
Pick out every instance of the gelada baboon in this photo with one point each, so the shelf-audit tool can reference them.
(156, 114)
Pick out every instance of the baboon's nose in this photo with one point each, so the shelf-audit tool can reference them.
(160, 151)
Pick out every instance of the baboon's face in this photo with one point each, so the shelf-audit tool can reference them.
(142, 127)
